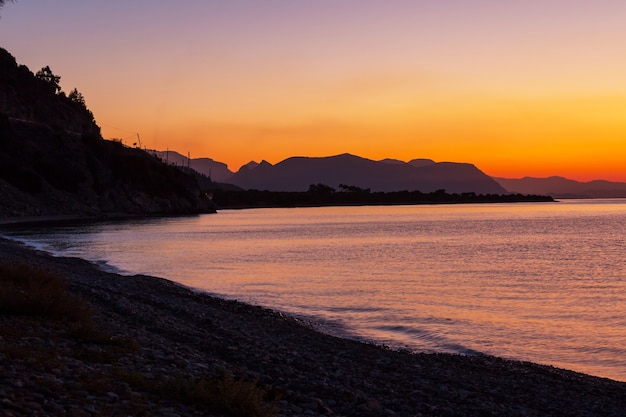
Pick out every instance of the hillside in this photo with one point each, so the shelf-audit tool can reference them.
(560, 187)
(53, 160)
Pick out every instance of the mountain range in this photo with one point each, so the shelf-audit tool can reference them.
(298, 173)
(559, 187)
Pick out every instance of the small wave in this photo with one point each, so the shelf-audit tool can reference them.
(328, 326)
(43, 246)
(107, 267)
(25, 242)
(354, 309)
(462, 350)
(601, 352)
(436, 342)
(38, 245)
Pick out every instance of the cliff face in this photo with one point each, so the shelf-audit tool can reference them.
(54, 161)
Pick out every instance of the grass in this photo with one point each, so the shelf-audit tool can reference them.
(35, 292)
(226, 394)
(235, 397)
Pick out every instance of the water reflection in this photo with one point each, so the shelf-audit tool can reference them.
(541, 282)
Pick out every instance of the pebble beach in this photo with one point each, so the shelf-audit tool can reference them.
(161, 331)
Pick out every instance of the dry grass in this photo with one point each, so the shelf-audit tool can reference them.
(226, 394)
(35, 292)
(235, 397)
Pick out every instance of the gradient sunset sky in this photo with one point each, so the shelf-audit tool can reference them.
(519, 88)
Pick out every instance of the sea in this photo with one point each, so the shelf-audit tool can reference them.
(539, 282)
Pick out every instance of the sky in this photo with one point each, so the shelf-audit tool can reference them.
(518, 88)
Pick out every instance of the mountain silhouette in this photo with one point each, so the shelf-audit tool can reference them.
(560, 187)
(217, 171)
(298, 173)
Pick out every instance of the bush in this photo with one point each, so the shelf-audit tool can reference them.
(235, 397)
(36, 292)
(226, 395)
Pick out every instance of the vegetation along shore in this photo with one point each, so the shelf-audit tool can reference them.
(79, 341)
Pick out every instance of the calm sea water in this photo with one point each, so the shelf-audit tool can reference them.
(540, 282)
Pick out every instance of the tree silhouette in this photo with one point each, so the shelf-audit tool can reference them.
(76, 97)
(45, 74)
(321, 188)
(353, 189)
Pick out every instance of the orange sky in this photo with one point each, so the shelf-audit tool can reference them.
(533, 88)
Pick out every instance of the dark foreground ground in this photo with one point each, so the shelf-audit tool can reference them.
(162, 341)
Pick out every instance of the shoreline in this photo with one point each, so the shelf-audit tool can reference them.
(7, 223)
(191, 334)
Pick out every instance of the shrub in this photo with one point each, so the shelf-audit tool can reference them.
(235, 397)
(227, 395)
(29, 291)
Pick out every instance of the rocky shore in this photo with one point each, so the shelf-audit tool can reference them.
(160, 334)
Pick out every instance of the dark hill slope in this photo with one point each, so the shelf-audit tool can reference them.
(53, 160)
(298, 173)
(25, 97)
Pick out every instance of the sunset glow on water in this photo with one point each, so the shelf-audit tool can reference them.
(539, 282)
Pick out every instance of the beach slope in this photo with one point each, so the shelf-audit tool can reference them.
(161, 332)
